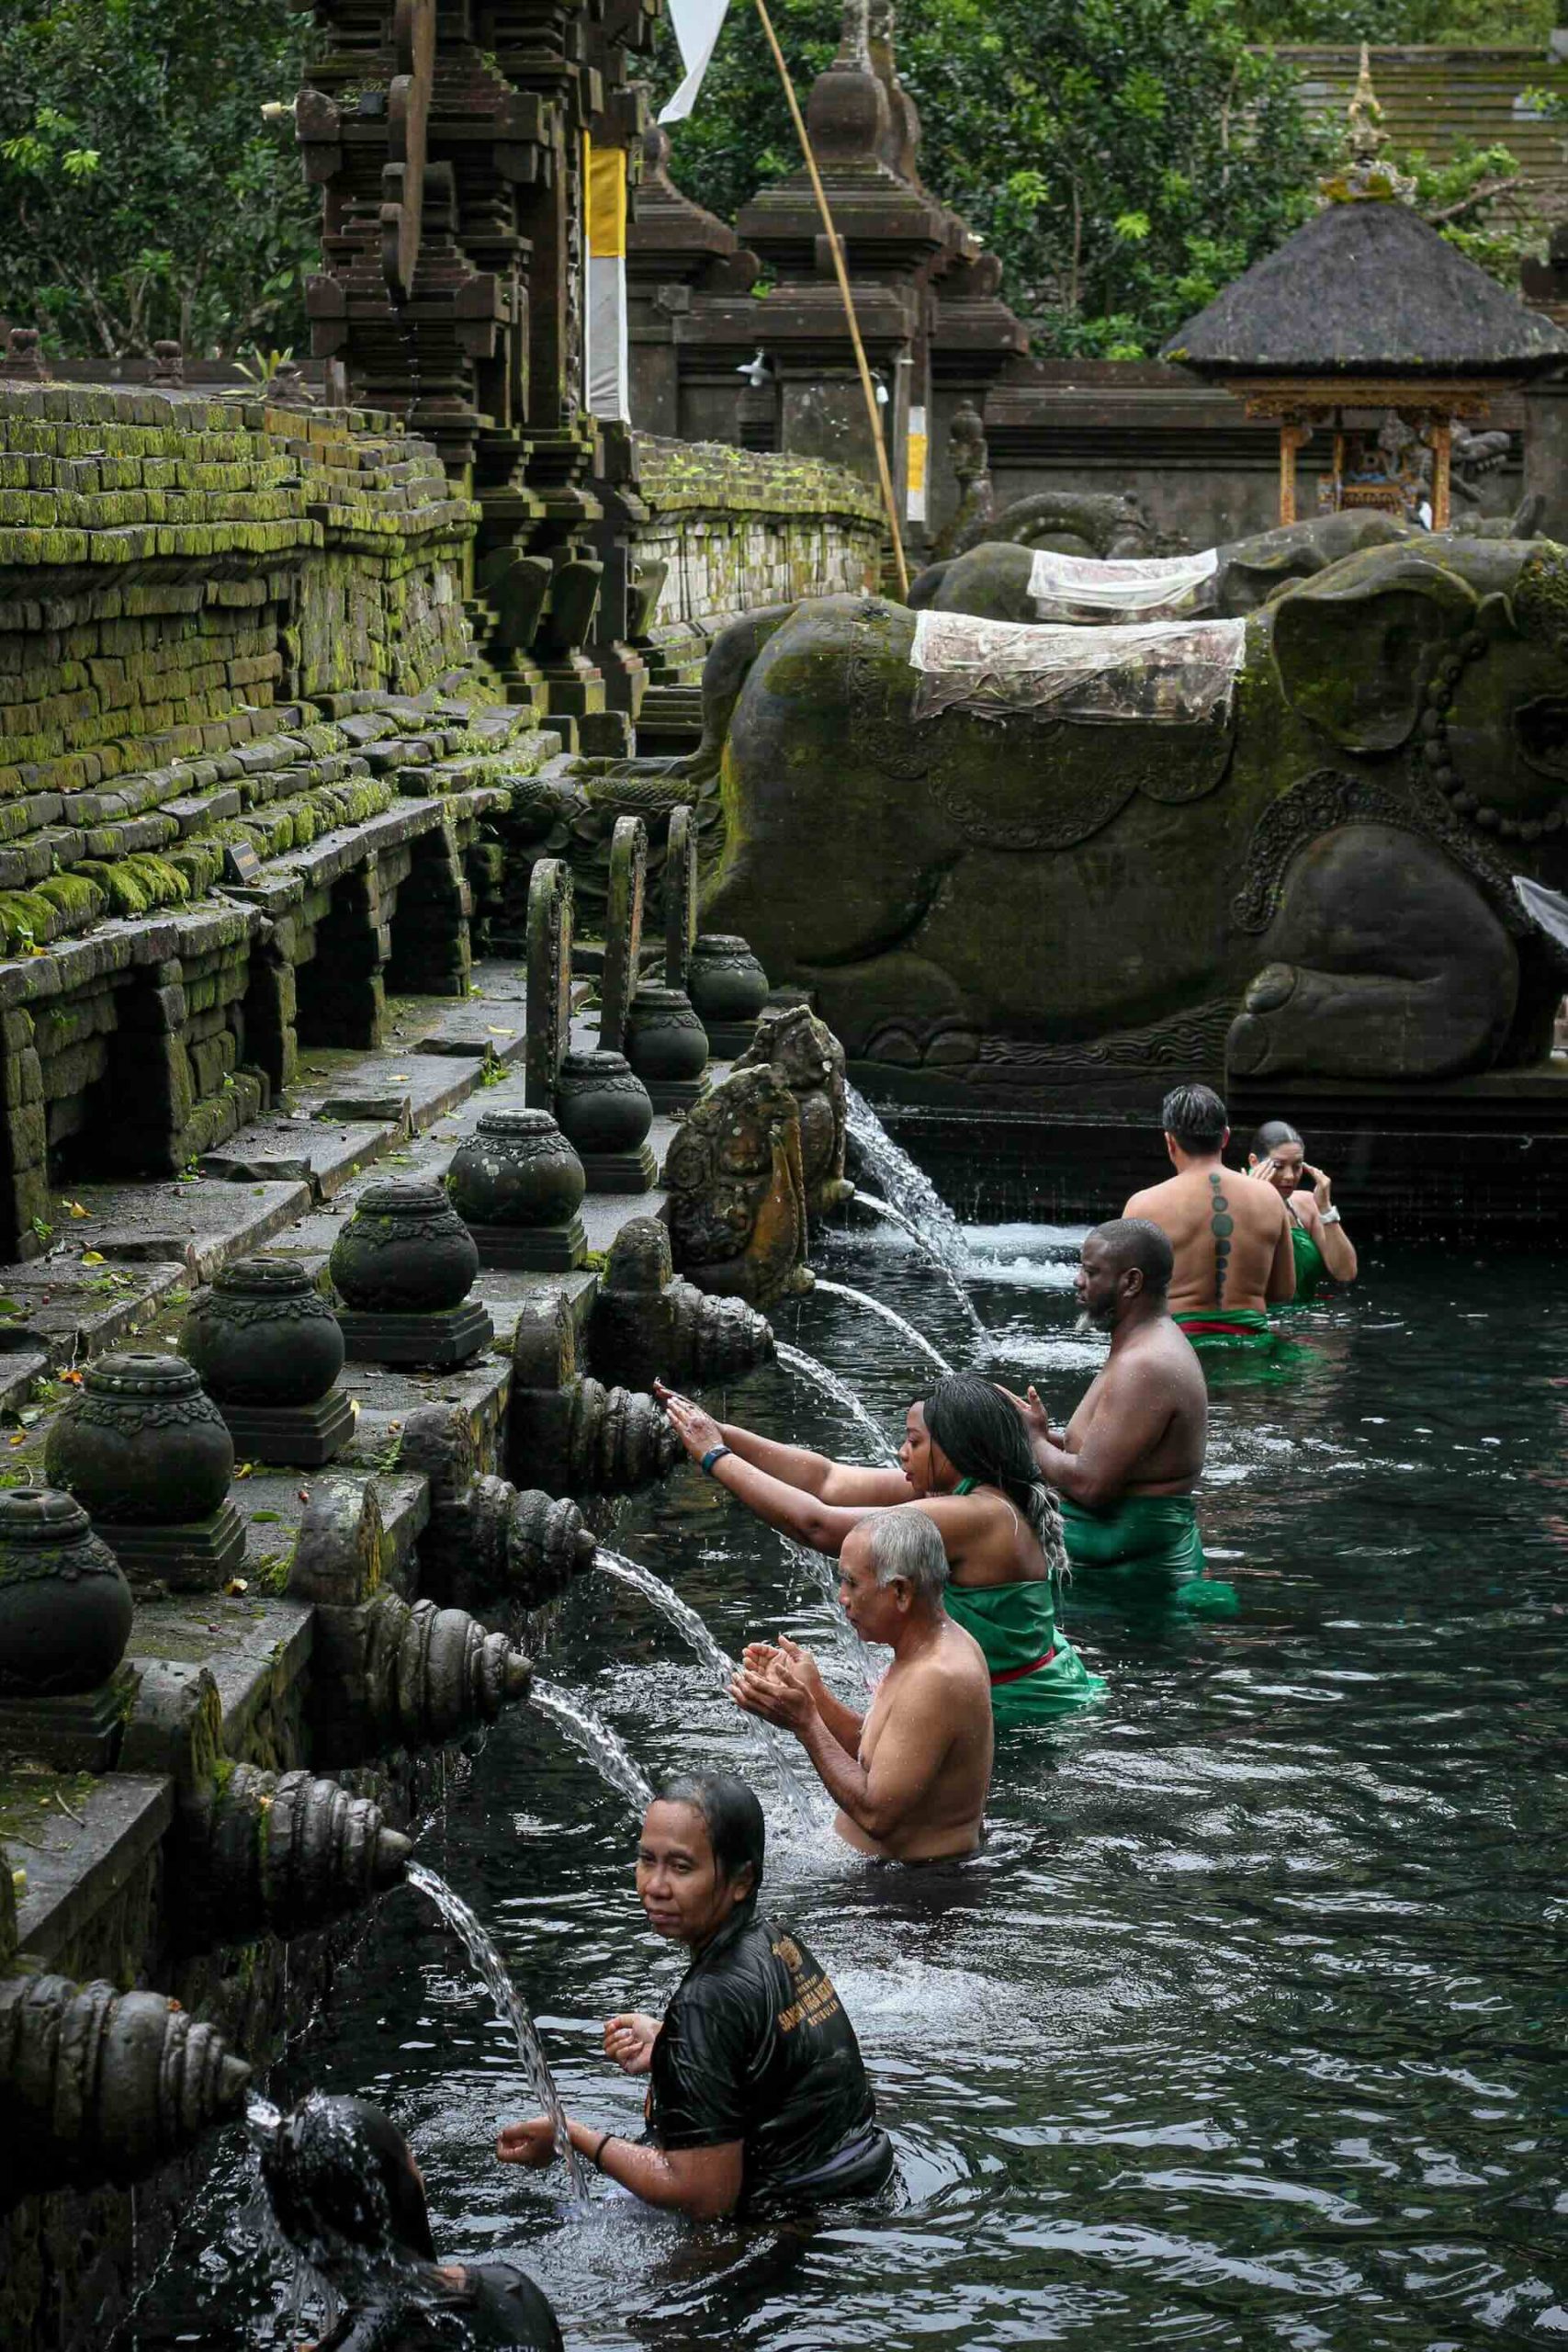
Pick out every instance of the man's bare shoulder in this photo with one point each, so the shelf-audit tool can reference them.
(1155, 1196)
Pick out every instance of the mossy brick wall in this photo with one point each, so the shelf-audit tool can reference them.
(738, 528)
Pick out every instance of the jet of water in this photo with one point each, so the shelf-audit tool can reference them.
(906, 1185)
(592, 1736)
(798, 1361)
(888, 1314)
(786, 1756)
(510, 2005)
(891, 1216)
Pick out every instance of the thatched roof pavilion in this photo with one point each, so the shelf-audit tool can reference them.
(1367, 309)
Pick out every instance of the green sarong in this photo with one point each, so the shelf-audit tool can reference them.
(1146, 1535)
(1035, 1671)
(1310, 1267)
(1146, 1549)
(1213, 1328)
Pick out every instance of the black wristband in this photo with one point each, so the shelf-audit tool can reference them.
(605, 2139)
(714, 1453)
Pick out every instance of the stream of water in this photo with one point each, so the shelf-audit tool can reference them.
(797, 1784)
(1245, 2030)
(491, 1969)
(889, 1315)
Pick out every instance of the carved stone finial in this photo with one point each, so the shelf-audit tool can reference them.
(168, 367)
(1366, 177)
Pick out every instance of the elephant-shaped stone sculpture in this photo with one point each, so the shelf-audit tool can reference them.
(736, 1209)
(1306, 865)
(1100, 522)
(997, 581)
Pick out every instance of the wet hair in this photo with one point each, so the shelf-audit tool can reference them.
(1138, 1241)
(905, 1543)
(1194, 1117)
(1271, 1134)
(737, 1830)
(341, 2178)
(983, 1437)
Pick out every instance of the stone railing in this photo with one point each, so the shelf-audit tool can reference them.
(736, 528)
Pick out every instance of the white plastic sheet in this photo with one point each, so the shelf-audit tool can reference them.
(1175, 672)
(1157, 588)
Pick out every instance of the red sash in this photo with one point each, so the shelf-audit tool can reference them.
(1021, 1673)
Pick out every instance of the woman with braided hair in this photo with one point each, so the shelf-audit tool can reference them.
(965, 1462)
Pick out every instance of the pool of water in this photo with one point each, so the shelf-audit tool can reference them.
(1245, 2031)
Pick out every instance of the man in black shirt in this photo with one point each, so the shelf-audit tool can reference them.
(757, 2091)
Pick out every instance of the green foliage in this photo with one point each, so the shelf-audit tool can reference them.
(146, 196)
(1474, 200)
(1124, 158)
(1482, 22)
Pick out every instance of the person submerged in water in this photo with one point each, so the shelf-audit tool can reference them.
(1231, 1239)
(349, 2198)
(1318, 1238)
(757, 2093)
(966, 1463)
(1134, 1451)
(911, 1776)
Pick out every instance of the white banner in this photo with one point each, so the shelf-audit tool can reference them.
(695, 24)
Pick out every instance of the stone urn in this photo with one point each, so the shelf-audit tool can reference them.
(405, 1264)
(64, 1604)
(263, 1335)
(729, 990)
(146, 1452)
(405, 1246)
(518, 1185)
(269, 1351)
(605, 1114)
(667, 1047)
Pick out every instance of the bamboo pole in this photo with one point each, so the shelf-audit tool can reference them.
(868, 387)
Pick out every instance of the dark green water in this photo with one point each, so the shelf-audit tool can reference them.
(1246, 2030)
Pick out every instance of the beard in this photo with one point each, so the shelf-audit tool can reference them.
(1088, 1324)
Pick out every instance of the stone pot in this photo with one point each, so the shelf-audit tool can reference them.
(727, 983)
(666, 1044)
(601, 1105)
(405, 1249)
(64, 1604)
(263, 1335)
(517, 1168)
(141, 1445)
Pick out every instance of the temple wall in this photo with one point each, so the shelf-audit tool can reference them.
(737, 529)
(253, 772)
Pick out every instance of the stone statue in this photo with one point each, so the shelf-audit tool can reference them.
(993, 579)
(808, 1059)
(737, 1190)
(1074, 522)
(1317, 829)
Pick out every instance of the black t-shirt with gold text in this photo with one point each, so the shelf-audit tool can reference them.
(755, 2046)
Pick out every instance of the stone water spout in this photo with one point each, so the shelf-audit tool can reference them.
(100, 2087)
(255, 1853)
(488, 1541)
(571, 1434)
(646, 1324)
(411, 1676)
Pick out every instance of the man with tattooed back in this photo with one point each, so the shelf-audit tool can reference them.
(1232, 1239)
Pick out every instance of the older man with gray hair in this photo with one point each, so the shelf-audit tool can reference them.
(910, 1777)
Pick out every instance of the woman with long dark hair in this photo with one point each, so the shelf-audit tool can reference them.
(1322, 1247)
(967, 1463)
